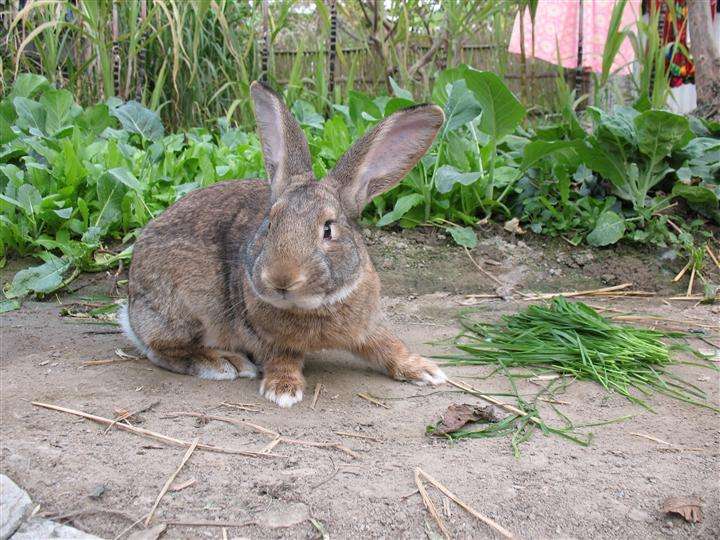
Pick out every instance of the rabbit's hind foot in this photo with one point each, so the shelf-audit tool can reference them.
(204, 364)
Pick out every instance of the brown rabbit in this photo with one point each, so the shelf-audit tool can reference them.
(249, 272)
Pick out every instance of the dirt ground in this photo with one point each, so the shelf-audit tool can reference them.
(613, 488)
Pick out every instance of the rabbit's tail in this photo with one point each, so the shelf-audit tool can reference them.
(123, 317)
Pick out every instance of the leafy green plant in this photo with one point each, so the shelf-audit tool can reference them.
(76, 184)
(74, 181)
(631, 149)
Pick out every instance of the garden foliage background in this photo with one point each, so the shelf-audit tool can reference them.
(111, 111)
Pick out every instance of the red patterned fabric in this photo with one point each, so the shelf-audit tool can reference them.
(673, 33)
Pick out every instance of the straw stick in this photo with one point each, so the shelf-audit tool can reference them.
(170, 480)
(692, 281)
(681, 273)
(489, 522)
(271, 445)
(130, 527)
(689, 322)
(485, 272)
(358, 436)
(318, 387)
(90, 363)
(150, 434)
(429, 504)
(279, 438)
(588, 292)
(651, 438)
(712, 255)
(201, 523)
(372, 400)
(249, 407)
(225, 419)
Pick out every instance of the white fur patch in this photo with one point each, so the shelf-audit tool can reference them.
(435, 378)
(249, 370)
(244, 367)
(283, 400)
(225, 372)
(123, 318)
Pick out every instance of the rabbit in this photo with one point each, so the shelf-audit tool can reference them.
(250, 274)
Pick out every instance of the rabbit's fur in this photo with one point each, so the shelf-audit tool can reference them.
(249, 273)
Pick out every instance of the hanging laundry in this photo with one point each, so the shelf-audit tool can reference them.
(558, 30)
(675, 36)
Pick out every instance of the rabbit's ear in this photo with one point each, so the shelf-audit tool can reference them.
(383, 156)
(285, 149)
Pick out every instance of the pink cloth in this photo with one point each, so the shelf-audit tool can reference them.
(556, 25)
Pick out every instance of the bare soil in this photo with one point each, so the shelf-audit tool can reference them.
(613, 488)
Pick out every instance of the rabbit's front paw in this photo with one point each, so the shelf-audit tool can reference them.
(284, 390)
(421, 371)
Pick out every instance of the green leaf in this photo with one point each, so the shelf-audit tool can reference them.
(620, 124)
(60, 110)
(73, 169)
(400, 92)
(121, 174)
(461, 107)
(92, 236)
(44, 278)
(604, 162)
(501, 111)
(701, 199)
(362, 108)
(447, 176)
(64, 213)
(95, 119)
(402, 206)
(306, 115)
(397, 104)
(28, 84)
(137, 119)
(658, 132)
(539, 150)
(464, 236)
(609, 229)
(31, 115)
(29, 198)
(702, 160)
(9, 305)
(110, 192)
(7, 119)
(444, 81)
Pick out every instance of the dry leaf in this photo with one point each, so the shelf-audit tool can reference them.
(513, 226)
(690, 508)
(456, 416)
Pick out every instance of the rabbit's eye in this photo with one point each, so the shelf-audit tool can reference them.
(327, 230)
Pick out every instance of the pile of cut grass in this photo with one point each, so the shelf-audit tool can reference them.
(573, 339)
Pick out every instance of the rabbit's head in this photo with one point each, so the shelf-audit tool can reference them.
(308, 252)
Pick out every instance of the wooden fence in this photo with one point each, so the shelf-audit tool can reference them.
(368, 73)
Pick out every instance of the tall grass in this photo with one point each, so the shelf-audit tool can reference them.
(193, 59)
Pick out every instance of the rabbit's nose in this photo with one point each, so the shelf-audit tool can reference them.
(283, 282)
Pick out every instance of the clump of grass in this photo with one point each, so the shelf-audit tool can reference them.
(573, 339)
